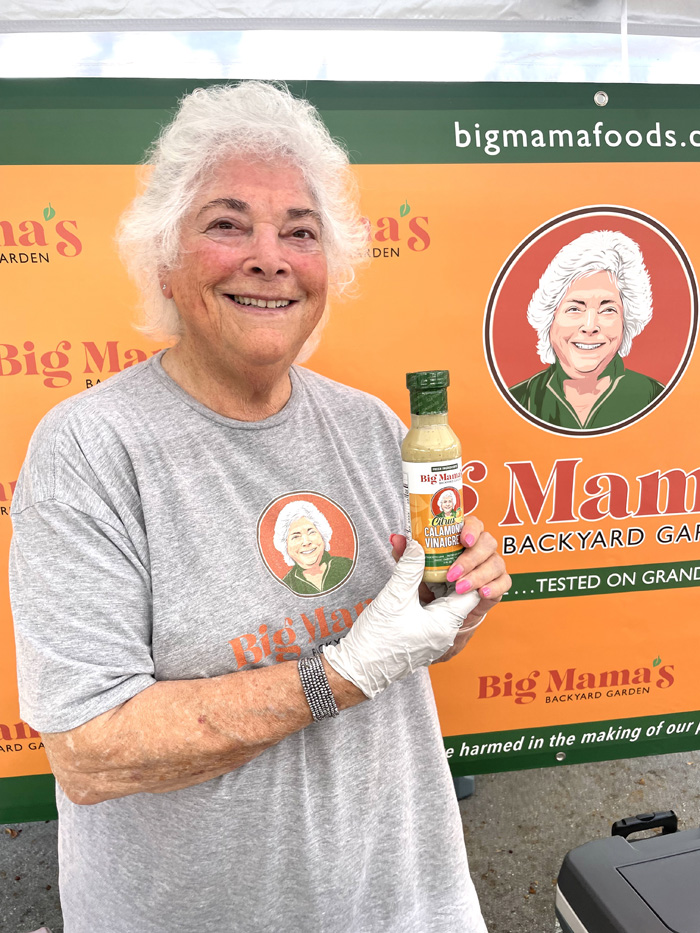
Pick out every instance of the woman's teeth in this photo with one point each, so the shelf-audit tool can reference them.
(261, 302)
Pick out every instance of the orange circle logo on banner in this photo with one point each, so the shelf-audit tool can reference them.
(555, 322)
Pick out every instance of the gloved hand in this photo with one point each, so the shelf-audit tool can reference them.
(395, 635)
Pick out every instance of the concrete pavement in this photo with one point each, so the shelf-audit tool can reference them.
(518, 826)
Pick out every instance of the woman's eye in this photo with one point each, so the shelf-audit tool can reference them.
(304, 234)
(225, 226)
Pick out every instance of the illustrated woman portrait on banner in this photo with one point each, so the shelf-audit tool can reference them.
(593, 299)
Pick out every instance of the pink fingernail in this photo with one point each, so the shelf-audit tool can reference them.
(463, 586)
(470, 539)
(453, 574)
(486, 591)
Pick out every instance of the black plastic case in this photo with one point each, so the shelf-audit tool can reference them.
(649, 885)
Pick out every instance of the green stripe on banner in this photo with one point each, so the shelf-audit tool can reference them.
(576, 743)
(27, 799)
(597, 581)
(113, 120)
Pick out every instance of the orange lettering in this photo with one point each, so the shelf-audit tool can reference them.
(341, 620)
(241, 650)
(284, 638)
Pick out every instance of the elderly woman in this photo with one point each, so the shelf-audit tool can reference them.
(207, 780)
(593, 299)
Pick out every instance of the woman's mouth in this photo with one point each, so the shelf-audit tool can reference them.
(267, 303)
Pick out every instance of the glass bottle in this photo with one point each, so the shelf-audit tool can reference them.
(432, 475)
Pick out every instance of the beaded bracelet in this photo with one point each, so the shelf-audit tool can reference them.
(316, 688)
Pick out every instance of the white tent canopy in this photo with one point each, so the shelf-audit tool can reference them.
(637, 17)
(641, 41)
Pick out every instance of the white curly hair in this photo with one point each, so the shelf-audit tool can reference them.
(598, 251)
(452, 498)
(253, 119)
(289, 514)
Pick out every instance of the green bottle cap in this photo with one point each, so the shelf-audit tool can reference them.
(428, 391)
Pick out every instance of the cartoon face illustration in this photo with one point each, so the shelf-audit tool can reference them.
(593, 299)
(446, 508)
(305, 544)
(586, 332)
(447, 502)
(302, 535)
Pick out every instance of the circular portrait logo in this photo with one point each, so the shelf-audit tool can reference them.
(445, 504)
(592, 320)
(307, 542)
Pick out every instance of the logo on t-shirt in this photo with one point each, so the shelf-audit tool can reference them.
(307, 542)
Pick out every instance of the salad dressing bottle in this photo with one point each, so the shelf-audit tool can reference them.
(432, 475)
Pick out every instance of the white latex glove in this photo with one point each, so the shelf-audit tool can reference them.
(395, 635)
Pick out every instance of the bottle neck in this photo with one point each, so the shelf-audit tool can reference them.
(423, 421)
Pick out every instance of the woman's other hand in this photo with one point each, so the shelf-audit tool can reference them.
(478, 568)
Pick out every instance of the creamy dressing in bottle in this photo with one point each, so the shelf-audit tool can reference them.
(432, 475)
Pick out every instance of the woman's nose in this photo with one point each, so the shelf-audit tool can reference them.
(590, 322)
(266, 258)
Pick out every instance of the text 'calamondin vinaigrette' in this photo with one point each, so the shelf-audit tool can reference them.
(432, 475)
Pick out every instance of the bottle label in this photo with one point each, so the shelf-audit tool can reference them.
(433, 509)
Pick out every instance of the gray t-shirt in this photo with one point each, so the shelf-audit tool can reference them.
(154, 539)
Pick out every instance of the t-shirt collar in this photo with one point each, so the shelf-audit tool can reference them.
(273, 421)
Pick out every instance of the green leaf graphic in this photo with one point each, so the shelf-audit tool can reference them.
(49, 212)
(405, 209)
(657, 661)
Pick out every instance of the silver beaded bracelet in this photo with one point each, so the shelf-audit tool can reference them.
(316, 688)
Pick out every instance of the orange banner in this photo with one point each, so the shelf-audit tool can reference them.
(599, 520)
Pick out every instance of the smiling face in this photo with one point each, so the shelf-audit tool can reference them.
(586, 332)
(305, 543)
(447, 501)
(251, 280)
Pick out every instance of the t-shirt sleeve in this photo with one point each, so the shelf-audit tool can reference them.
(81, 601)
